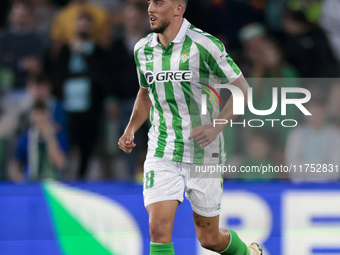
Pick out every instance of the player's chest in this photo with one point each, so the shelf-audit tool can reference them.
(177, 58)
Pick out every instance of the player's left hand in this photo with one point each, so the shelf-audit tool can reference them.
(204, 135)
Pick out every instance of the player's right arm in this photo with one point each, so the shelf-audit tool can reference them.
(140, 114)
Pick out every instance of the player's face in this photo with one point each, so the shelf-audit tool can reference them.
(161, 14)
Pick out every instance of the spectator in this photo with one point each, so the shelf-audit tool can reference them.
(311, 8)
(83, 83)
(65, 22)
(21, 49)
(267, 62)
(267, 59)
(121, 66)
(317, 142)
(41, 151)
(252, 37)
(21, 52)
(39, 88)
(306, 47)
(45, 10)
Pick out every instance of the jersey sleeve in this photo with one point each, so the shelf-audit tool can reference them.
(221, 64)
(141, 77)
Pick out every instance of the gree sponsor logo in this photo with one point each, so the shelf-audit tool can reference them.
(165, 76)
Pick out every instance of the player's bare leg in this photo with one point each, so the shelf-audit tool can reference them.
(209, 234)
(161, 222)
(221, 240)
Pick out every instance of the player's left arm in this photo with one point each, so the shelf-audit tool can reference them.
(206, 134)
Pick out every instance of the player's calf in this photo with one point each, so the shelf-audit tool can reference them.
(210, 244)
(228, 243)
(209, 234)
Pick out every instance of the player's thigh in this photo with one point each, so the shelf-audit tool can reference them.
(161, 220)
(162, 181)
(205, 195)
(163, 191)
(163, 210)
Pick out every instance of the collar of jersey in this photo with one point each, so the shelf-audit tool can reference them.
(179, 37)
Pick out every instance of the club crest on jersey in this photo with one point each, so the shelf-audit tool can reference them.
(185, 56)
(165, 76)
(149, 57)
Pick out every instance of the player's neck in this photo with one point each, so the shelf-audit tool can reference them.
(171, 32)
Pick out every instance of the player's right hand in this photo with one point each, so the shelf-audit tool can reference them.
(126, 142)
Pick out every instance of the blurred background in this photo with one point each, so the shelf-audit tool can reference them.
(67, 89)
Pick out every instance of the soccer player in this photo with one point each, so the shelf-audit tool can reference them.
(170, 63)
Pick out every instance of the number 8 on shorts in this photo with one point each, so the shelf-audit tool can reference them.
(149, 179)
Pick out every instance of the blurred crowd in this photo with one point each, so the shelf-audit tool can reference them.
(68, 84)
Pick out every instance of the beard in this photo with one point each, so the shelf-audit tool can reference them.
(161, 28)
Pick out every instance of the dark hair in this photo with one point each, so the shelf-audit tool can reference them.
(185, 2)
(39, 106)
(40, 78)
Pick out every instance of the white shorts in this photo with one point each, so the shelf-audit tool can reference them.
(167, 180)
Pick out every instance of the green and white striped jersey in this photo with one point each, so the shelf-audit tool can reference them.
(173, 77)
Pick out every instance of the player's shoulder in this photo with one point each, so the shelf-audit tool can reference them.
(205, 39)
(142, 42)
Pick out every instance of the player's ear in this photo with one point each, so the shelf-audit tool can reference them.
(179, 11)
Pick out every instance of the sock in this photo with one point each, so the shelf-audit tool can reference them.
(235, 245)
(162, 249)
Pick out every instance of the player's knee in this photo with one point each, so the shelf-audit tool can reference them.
(160, 231)
(209, 242)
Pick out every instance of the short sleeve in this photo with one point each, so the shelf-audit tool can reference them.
(141, 77)
(218, 60)
(220, 63)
